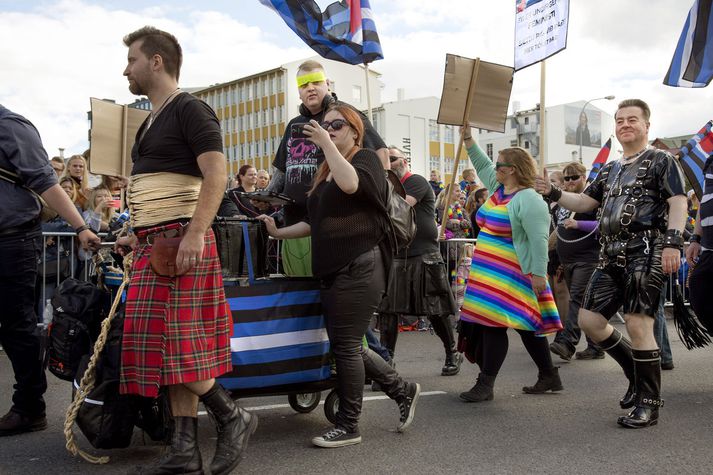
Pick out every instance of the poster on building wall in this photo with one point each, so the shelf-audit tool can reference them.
(582, 127)
(490, 97)
(540, 30)
(110, 134)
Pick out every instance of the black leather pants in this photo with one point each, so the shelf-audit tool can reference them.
(349, 299)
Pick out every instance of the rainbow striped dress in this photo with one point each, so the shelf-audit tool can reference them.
(498, 294)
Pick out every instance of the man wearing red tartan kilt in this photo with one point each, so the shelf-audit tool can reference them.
(177, 323)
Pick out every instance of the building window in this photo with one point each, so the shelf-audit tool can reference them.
(448, 135)
(433, 131)
(527, 120)
(356, 93)
(527, 144)
(434, 163)
(513, 143)
(489, 150)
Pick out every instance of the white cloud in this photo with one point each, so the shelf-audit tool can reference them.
(57, 56)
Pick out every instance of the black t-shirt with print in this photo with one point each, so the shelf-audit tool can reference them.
(186, 128)
(299, 159)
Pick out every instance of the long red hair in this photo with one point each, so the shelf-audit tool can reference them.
(357, 125)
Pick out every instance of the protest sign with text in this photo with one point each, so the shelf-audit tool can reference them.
(540, 30)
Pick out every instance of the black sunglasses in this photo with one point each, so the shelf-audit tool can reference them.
(572, 177)
(500, 164)
(393, 158)
(336, 124)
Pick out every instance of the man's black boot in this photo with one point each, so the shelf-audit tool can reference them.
(442, 327)
(648, 391)
(14, 423)
(234, 426)
(183, 456)
(619, 348)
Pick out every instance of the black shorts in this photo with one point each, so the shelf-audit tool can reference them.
(636, 286)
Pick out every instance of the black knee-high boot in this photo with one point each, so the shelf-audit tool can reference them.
(648, 390)
(442, 327)
(619, 348)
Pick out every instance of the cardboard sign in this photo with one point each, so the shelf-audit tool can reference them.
(540, 30)
(490, 95)
(112, 136)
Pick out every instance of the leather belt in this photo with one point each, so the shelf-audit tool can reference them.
(634, 191)
(147, 235)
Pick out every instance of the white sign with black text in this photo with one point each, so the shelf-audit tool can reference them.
(540, 30)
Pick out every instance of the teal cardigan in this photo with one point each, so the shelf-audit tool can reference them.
(529, 217)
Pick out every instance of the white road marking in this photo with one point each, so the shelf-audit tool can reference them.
(366, 398)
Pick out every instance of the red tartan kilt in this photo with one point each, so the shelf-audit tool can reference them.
(176, 330)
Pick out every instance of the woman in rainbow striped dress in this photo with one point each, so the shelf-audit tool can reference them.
(507, 285)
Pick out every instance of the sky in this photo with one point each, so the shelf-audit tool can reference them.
(56, 54)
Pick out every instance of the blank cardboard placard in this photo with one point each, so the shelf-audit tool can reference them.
(491, 95)
(113, 132)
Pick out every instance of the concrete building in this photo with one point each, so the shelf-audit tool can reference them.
(254, 110)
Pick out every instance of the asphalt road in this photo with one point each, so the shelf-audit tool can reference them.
(573, 431)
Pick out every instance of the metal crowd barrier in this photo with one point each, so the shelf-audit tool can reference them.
(64, 264)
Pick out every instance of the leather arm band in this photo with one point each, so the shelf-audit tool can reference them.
(555, 193)
(81, 228)
(673, 238)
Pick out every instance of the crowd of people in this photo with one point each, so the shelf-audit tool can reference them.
(615, 240)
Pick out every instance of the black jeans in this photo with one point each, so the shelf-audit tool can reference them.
(18, 321)
(349, 299)
(577, 277)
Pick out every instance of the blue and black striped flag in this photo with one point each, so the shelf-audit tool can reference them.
(694, 154)
(692, 63)
(279, 339)
(345, 32)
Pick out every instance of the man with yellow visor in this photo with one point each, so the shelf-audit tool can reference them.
(297, 160)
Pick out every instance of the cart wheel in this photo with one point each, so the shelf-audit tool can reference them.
(305, 402)
(331, 406)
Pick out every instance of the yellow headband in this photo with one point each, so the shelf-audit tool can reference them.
(316, 76)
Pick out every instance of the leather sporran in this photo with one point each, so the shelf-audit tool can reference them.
(164, 251)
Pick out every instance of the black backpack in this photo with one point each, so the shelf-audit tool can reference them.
(400, 216)
(107, 418)
(79, 308)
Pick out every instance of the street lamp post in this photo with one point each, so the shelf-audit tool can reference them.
(579, 138)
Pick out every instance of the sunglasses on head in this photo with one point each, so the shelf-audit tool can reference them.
(500, 164)
(571, 177)
(335, 124)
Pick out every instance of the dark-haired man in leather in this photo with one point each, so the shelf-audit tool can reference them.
(641, 220)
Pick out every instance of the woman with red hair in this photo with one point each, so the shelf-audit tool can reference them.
(346, 221)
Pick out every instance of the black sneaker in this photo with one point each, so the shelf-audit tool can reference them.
(337, 437)
(407, 406)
